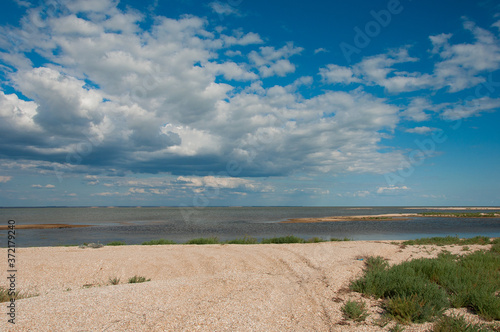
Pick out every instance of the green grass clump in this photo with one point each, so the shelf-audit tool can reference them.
(116, 243)
(315, 240)
(449, 240)
(397, 328)
(137, 279)
(334, 239)
(421, 289)
(156, 242)
(204, 240)
(377, 263)
(458, 324)
(355, 310)
(283, 239)
(243, 240)
(5, 296)
(114, 280)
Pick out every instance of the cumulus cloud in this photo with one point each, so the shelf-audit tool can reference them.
(458, 67)
(470, 108)
(391, 189)
(416, 109)
(165, 101)
(271, 61)
(420, 130)
(338, 74)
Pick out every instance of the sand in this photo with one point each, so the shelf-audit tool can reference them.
(264, 287)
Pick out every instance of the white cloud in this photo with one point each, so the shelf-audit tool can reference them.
(219, 182)
(420, 130)
(271, 61)
(338, 74)
(320, 50)
(461, 63)
(39, 186)
(163, 101)
(391, 189)
(4, 179)
(223, 8)
(242, 39)
(470, 108)
(415, 110)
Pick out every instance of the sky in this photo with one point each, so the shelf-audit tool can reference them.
(249, 103)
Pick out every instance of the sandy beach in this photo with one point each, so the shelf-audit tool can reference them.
(263, 287)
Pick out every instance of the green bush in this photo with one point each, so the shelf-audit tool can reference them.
(355, 310)
(284, 239)
(156, 242)
(204, 240)
(420, 289)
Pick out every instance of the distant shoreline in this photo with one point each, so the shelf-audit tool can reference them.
(392, 216)
(44, 226)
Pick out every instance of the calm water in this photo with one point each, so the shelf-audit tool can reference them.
(136, 225)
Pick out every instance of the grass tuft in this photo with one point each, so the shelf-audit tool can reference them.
(137, 279)
(334, 239)
(450, 240)
(315, 240)
(116, 243)
(355, 310)
(157, 242)
(458, 324)
(283, 239)
(6, 296)
(243, 240)
(204, 240)
(114, 280)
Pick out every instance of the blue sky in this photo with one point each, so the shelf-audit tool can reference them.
(237, 102)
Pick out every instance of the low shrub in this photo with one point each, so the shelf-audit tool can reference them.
(355, 310)
(418, 290)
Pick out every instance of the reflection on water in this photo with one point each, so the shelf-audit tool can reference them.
(136, 225)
